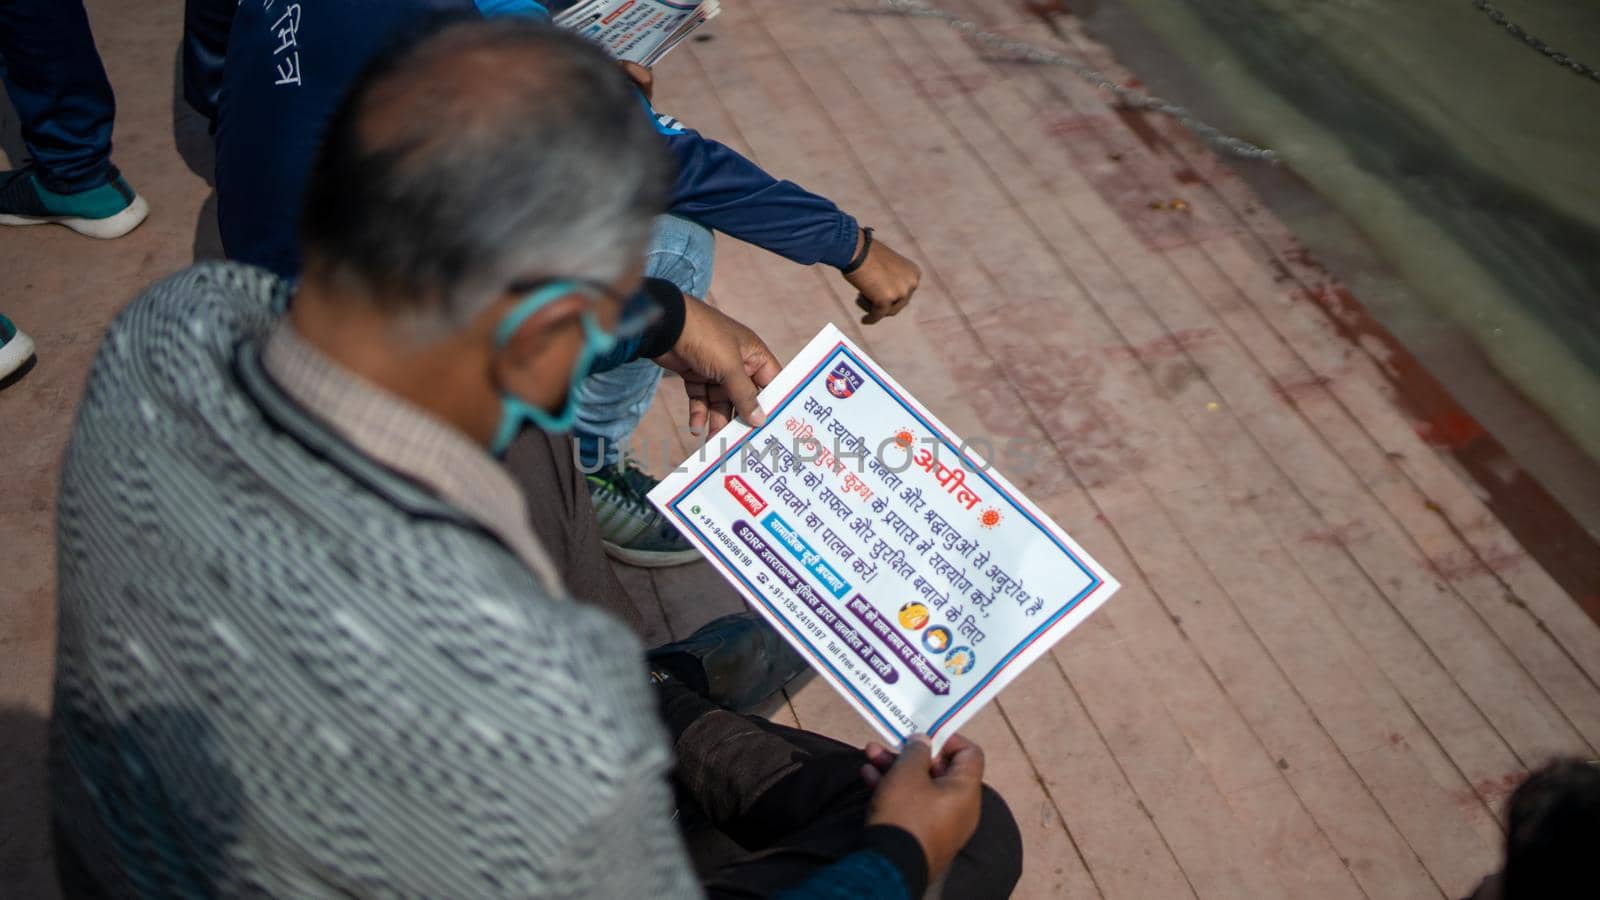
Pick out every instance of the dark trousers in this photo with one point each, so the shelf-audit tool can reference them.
(792, 800)
(58, 86)
(795, 802)
(206, 24)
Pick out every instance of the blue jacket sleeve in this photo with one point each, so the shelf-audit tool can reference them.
(863, 875)
(889, 866)
(722, 190)
(531, 8)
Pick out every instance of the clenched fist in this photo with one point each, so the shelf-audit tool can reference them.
(886, 281)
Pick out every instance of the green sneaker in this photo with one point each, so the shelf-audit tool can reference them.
(108, 211)
(632, 530)
(15, 347)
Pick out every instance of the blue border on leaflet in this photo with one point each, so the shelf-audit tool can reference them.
(1095, 581)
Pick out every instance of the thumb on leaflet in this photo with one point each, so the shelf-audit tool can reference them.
(966, 763)
(916, 755)
(746, 398)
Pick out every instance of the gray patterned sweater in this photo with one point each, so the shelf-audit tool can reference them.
(286, 669)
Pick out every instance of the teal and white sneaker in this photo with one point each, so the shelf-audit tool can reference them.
(108, 211)
(15, 347)
(632, 530)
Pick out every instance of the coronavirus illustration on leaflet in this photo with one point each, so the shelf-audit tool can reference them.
(913, 576)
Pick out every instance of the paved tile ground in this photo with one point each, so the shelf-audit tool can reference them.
(1331, 659)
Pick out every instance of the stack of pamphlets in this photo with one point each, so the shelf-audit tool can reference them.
(637, 31)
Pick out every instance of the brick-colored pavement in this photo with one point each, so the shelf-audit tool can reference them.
(1331, 658)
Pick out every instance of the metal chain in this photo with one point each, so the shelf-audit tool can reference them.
(1129, 97)
(1515, 30)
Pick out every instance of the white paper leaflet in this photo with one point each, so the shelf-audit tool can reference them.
(639, 31)
(916, 579)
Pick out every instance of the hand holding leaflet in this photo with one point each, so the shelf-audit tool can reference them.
(909, 573)
(637, 31)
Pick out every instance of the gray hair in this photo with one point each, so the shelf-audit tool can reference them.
(482, 154)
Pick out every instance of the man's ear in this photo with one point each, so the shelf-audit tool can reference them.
(514, 362)
(517, 365)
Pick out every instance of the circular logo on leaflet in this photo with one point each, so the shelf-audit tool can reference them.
(843, 381)
(936, 638)
(960, 661)
(913, 615)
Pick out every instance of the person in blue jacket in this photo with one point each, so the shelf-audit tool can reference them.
(287, 66)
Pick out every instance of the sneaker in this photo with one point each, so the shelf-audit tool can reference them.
(15, 347)
(632, 530)
(738, 661)
(108, 211)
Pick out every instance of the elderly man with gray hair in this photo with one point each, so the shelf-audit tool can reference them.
(334, 620)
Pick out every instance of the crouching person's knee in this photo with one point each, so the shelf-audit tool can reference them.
(990, 864)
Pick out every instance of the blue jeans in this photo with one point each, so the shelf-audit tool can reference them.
(611, 403)
(56, 82)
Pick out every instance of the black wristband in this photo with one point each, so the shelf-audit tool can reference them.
(861, 255)
(665, 331)
(902, 851)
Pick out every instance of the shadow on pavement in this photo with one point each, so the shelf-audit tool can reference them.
(191, 132)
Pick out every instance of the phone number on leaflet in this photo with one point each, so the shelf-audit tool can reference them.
(727, 541)
(801, 617)
(821, 636)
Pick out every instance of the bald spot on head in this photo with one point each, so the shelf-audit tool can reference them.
(461, 88)
(484, 154)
